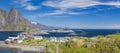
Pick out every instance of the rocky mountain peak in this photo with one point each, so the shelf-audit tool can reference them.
(14, 21)
(14, 16)
(14, 12)
(3, 13)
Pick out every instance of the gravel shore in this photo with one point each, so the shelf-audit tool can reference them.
(23, 47)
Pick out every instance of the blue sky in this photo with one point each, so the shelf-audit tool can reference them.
(84, 14)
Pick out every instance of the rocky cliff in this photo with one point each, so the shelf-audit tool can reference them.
(14, 21)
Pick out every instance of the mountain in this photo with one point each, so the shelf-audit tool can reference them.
(3, 16)
(44, 27)
(14, 21)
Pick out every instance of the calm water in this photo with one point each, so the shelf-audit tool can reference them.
(95, 32)
(79, 32)
(86, 32)
(5, 34)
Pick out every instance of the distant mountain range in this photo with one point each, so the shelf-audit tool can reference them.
(14, 21)
(44, 27)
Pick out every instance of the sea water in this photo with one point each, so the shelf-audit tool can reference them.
(79, 32)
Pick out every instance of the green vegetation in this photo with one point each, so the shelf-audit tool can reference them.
(32, 42)
(8, 28)
(98, 44)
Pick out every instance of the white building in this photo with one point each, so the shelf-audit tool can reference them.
(13, 37)
(21, 38)
(38, 37)
(54, 39)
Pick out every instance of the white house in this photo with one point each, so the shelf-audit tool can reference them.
(54, 39)
(21, 38)
(38, 37)
(13, 37)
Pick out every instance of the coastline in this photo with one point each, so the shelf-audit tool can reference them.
(22, 47)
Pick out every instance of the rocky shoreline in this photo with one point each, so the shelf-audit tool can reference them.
(22, 47)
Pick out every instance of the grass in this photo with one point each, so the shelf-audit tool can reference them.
(98, 44)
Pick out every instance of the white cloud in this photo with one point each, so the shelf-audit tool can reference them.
(30, 7)
(67, 4)
(58, 12)
(26, 4)
(63, 6)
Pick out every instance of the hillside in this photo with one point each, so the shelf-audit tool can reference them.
(14, 21)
